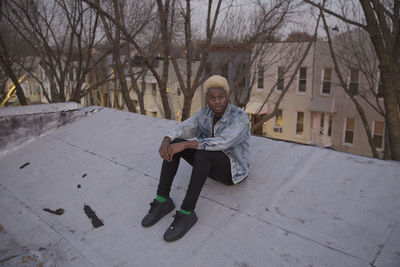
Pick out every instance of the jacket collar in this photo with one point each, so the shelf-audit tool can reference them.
(225, 117)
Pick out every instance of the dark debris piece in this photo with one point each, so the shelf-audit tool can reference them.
(8, 258)
(96, 222)
(84, 175)
(78, 186)
(56, 212)
(24, 165)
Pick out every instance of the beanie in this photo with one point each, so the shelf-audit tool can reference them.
(216, 81)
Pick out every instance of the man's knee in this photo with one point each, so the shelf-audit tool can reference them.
(201, 156)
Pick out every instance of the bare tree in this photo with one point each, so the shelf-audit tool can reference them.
(192, 81)
(258, 33)
(381, 20)
(291, 69)
(138, 18)
(350, 92)
(63, 34)
(148, 56)
(116, 45)
(6, 60)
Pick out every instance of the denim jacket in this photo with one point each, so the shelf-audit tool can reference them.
(231, 135)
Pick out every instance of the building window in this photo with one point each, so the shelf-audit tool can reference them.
(153, 88)
(326, 82)
(378, 134)
(349, 131)
(280, 79)
(321, 123)
(278, 121)
(302, 80)
(380, 89)
(330, 126)
(178, 91)
(300, 123)
(353, 86)
(260, 80)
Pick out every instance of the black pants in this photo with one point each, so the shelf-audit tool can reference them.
(213, 164)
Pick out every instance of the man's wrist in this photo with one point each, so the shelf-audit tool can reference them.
(191, 144)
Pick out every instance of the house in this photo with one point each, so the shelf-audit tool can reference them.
(316, 109)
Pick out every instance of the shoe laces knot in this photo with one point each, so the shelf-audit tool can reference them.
(152, 206)
(177, 218)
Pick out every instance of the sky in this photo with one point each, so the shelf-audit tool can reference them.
(303, 19)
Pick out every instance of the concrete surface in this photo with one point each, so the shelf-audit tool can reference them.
(300, 206)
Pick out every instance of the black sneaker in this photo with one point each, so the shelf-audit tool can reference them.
(157, 211)
(180, 226)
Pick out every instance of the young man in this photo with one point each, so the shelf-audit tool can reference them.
(215, 142)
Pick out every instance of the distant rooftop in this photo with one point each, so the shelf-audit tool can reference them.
(300, 206)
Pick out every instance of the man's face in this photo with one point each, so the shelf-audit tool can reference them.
(217, 100)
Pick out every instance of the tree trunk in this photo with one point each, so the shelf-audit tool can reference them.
(385, 45)
(163, 12)
(138, 93)
(391, 86)
(187, 104)
(8, 69)
(54, 95)
(122, 81)
(387, 154)
(164, 99)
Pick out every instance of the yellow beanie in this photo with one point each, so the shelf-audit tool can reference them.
(216, 81)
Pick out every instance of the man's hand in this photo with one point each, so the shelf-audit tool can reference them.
(178, 147)
(164, 153)
(175, 148)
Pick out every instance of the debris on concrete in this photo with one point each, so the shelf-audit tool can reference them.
(84, 175)
(78, 186)
(8, 258)
(24, 165)
(96, 222)
(56, 212)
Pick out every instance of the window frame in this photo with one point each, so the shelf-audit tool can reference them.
(277, 79)
(323, 81)
(278, 128)
(350, 82)
(379, 92)
(297, 123)
(382, 136)
(299, 81)
(261, 70)
(322, 124)
(345, 129)
(330, 126)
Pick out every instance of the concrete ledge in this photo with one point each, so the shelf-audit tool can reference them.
(34, 109)
(21, 124)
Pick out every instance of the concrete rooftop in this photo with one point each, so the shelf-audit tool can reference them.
(300, 206)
